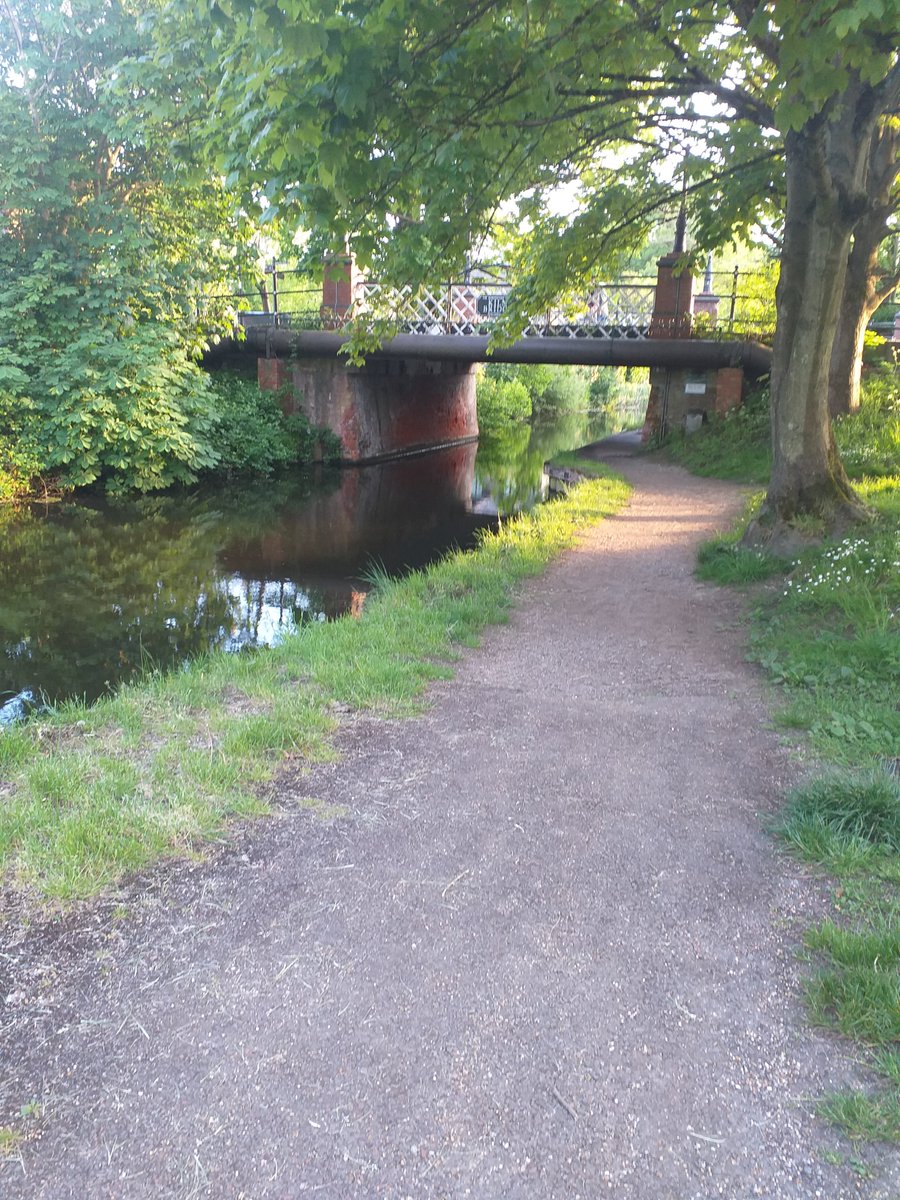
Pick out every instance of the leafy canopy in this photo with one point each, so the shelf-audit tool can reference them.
(111, 242)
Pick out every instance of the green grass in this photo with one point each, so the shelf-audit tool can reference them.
(90, 794)
(10, 1140)
(863, 1002)
(722, 559)
(857, 808)
(874, 1118)
(735, 446)
(828, 638)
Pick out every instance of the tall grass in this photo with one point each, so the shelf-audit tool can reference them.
(734, 446)
(829, 640)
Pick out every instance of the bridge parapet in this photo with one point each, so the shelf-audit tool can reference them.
(619, 309)
(635, 307)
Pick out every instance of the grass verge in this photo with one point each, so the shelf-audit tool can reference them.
(89, 794)
(724, 560)
(827, 635)
(735, 446)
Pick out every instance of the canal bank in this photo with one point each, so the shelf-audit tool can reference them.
(532, 943)
(98, 591)
(93, 792)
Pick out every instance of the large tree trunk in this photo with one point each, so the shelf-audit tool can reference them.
(860, 300)
(808, 479)
(865, 286)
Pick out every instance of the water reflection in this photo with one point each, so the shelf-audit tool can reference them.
(95, 592)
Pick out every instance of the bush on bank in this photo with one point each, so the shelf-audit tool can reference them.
(509, 392)
(738, 445)
(135, 427)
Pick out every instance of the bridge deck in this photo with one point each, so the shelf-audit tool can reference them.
(690, 353)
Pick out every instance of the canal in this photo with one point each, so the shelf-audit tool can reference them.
(97, 591)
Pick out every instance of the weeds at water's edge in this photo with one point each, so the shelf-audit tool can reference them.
(90, 794)
(828, 638)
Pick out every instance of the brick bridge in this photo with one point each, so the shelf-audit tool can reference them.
(417, 391)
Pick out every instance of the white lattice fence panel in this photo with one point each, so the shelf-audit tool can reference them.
(623, 304)
(611, 310)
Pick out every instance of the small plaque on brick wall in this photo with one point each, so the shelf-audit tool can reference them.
(695, 385)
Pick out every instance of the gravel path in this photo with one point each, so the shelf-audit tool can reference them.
(531, 945)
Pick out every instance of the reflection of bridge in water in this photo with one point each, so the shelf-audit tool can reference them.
(152, 582)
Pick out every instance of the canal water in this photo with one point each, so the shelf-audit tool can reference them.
(97, 591)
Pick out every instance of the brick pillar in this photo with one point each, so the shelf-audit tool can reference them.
(272, 374)
(706, 305)
(656, 416)
(896, 337)
(339, 287)
(672, 303)
(729, 388)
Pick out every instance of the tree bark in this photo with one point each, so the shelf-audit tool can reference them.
(865, 287)
(859, 301)
(826, 165)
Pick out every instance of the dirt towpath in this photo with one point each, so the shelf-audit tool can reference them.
(534, 944)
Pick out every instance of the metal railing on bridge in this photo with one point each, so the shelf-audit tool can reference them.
(621, 309)
(287, 298)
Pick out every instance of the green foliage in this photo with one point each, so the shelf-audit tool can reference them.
(313, 107)
(510, 463)
(844, 808)
(113, 245)
(133, 411)
(857, 991)
(551, 390)
(738, 445)
(407, 127)
(501, 401)
(723, 560)
(734, 446)
(828, 638)
(862, 1002)
(20, 458)
(558, 389)
(857, 578)
(869, 440)
(873, 1118)
(620, 394)
(253, 436)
